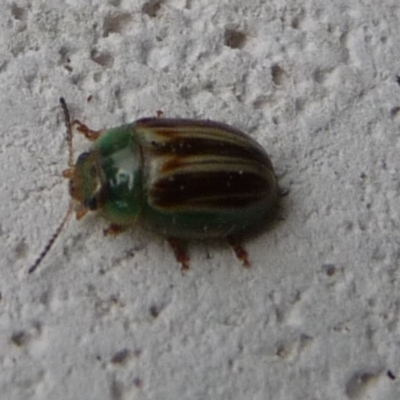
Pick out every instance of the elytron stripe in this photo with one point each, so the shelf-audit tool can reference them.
(188, 137)
(217, 189)
(187, 147)
(208, 163)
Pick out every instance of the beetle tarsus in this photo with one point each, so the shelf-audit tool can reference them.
(240, 252)
(113, 229)
(86, 131)
(178, 247)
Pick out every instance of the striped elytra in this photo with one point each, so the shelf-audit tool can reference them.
(183, 179)
(204, 165)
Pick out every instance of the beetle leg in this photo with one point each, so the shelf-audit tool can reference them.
(80, 212)
(160, 114)
(240, 251)
(178, 247)
(87, 132)
(114, 229)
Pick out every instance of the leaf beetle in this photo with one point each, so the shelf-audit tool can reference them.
(180, 178)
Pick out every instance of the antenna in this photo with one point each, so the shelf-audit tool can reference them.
(69, 132)
(50, 243)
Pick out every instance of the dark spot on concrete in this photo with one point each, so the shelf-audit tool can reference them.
(277, 74)
(116, 23)
(234, 39)
(391, 375)
(295, 23)
(329, 269)
(260, 102)
(18, 13)
(154, 311)
(138, 382)
(121, 357)
(20, 338)
(152, 7)
(394, 111)
(21, 249)
(103, 59)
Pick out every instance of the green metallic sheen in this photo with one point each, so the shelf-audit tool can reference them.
(119, 188)
(206, 225)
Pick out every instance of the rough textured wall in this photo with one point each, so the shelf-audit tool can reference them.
(317, 315)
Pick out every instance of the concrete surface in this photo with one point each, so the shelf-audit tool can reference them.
(317, 315)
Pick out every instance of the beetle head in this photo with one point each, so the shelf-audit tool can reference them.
(85, 182)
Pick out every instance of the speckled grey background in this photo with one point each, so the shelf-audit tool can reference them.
(317, 315)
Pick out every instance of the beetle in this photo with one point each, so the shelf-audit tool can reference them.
(180, 178)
